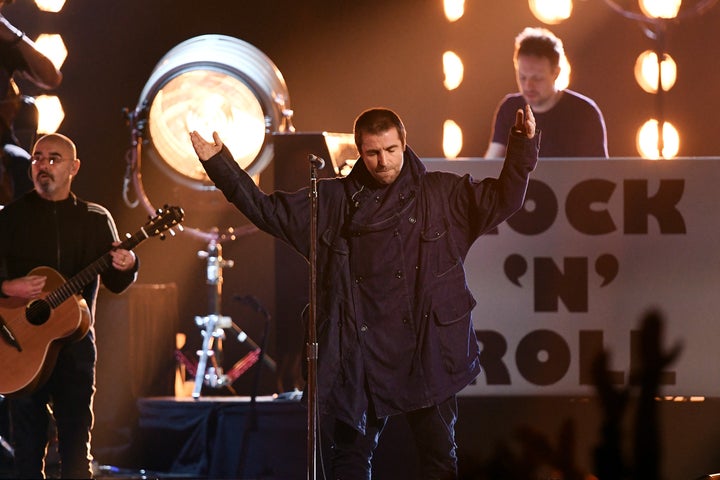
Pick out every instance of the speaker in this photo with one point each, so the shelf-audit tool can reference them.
(135, 338)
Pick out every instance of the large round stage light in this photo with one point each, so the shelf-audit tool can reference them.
(213, 83)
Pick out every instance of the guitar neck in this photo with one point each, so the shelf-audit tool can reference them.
(88, 274)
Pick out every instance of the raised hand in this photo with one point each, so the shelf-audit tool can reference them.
(203, 148)
(525, 122)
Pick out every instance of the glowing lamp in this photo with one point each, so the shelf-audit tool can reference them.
(452, 139)
(660, 8)
(52, 6)
(214, 83)
(647, 140)
(551, 12)
(52, 46)
(454, 70)
(646, 71)
(50, 113)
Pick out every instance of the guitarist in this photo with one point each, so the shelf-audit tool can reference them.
(50, 226)
(18, 58)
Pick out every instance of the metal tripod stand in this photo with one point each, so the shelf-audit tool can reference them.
(214, 325)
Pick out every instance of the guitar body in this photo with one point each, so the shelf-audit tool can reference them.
(26, 369)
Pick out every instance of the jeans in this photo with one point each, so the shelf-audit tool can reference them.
(67, 396)
(433, 431)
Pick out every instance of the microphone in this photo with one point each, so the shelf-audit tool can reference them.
(316, 161)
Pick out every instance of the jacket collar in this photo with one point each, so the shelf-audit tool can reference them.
(376, 207)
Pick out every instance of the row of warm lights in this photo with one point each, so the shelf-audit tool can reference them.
(646, 69)
(50, 110)
(555, 11)
(454, 71)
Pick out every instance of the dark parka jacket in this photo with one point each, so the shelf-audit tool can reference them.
(393, 307)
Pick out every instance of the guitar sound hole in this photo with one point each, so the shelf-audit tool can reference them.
(37, 312)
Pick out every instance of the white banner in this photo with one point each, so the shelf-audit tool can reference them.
(598, 244)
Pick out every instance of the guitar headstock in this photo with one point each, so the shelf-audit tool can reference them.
(166, 218)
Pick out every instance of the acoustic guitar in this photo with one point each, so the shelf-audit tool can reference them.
(32, 333)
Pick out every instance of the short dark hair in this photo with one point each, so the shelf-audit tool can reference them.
(377, 120)
(539, 42)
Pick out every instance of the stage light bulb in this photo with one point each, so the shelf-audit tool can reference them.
(454, 9)
(646, 71)
(50, 113)
(647, 140)
(551, 12)
(452, 139)
(52, 46)
(453, 69)
(660, 8)
(52, 6)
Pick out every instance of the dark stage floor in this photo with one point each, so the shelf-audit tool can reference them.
(232, 437)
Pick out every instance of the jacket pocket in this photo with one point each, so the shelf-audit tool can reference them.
(437, 250)
(455, 333)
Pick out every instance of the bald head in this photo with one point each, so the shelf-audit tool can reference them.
(54, 165)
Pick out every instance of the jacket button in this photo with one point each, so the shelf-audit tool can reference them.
(412, 220)
(358, 280)
(364, 328)
(399, 274)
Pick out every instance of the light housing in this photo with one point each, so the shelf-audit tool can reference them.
(213, 83)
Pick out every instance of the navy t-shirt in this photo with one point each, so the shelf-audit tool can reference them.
(574, 127)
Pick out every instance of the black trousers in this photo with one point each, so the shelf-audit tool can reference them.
(67, 396)
(433, 431)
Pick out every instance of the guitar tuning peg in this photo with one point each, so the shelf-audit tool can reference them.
(162, 236)
(128, 236)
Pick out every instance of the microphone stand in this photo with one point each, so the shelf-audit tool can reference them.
(312, 346)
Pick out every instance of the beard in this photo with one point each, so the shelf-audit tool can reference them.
(44, 182)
